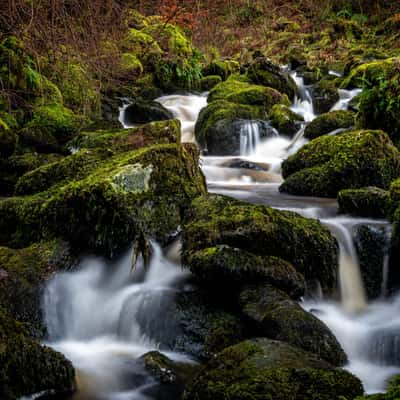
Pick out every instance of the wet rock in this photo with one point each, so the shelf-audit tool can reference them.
(275, 316)
(329, 122)
(219, 233)
(170, 377)
(350, 160)
(267, 369)
(263, 72)
(245, 164)
(221, 124)
(372, 245)
(142, 112)
(324, 96)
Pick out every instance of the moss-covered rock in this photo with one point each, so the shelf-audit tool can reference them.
(285, 120)
(221, 68)
(274, 315)
(142, 192)
(96, 147)
(28, 368)
(379, 106)
(324, 96)
(329, 164)
(53, 122)
(263, 369)
(194, 323)
(23, 275)
(217, 128)
(329, 122)
(170, 377)
(263, 72)
(142, 112)
(208, 82)
(217, 220)
(372, 245)
(8, 140)
(238, 91)
(17, 165)
(366, 202)
(234, 267)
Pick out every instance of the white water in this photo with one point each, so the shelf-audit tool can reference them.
(92, 317)
(345, 96)
(185, 108)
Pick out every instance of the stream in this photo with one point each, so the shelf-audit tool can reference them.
(92, 312)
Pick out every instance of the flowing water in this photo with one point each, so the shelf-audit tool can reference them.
(92, 313)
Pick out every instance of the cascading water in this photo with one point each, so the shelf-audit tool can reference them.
(93, 315)
(250, 137)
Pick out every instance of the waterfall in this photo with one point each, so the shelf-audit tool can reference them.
(345, 97)
(97, 316)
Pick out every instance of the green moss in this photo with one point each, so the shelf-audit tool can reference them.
(285, 120)
(237, 91)
(131, 64)
(27, 368)
(328, 122)
(262, 369)
(351, 160)
(8, 140)
(57, 121)
(366, 202)
(217, 220)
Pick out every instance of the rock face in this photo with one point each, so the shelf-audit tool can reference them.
(329, 122)
(273, 370)
(142, 112)
(329, 164)
(27, 368)
(365, 202)
(107, 205)
(263, 72)
(218, 231)
(274, 315)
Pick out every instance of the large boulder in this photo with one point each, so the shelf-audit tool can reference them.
(219, 126)
(379, 106)
(329, 164)
(28, 368)
(237, 89)
(142, 112)
(274, 315)
(267, 369)
(329, 122)
(263, 72)
(105, 207)
(214, 222)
